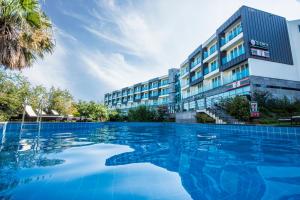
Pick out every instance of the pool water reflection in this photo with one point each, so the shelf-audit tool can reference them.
(149, 161)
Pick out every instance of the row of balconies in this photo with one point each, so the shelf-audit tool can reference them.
(161, 101)
(222, 80)
(139, 90)
(143, 96)
(210, 54)
(210, 69)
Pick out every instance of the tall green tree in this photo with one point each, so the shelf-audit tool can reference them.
(14, 89)
(25, 33)
(38, 97)
(92, 110)
(60, 100)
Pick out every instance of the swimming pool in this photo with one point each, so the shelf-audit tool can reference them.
(149, 161)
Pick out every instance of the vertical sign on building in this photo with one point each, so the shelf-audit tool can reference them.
(254, 109)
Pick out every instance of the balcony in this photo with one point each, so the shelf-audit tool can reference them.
(216, 84)
(231, 36)
(153, 86)
(211, 70)
(164, 83)
(145, 97)
(137, 90)
(195, 64)
(197, 76)
(144, 89)
(184, 72)
(208, 56)
(237, 76)
(228, 58)
(154, 95)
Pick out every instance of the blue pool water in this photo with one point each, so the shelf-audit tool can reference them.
(149, 161)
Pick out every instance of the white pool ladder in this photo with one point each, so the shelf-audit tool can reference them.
(3, 139)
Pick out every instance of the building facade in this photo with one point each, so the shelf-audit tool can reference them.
(160, 91)
(252, 50)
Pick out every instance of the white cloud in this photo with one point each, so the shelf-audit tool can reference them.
(137, 40)
(113, 69)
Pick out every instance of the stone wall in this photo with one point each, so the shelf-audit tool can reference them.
(186, 117)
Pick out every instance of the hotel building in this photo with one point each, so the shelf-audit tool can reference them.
(252, 50)
(160, 91)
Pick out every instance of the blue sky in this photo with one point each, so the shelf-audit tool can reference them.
(102, 45)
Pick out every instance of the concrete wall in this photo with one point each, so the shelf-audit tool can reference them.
(186, 117)
(273, 70)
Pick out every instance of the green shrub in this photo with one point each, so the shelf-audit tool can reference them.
(204, 118)
(162, 114)
(117, 116)
(142, 114)
(238, 107)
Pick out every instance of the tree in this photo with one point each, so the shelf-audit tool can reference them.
(116, 116)
(61, 100)
(162, 113)
(142, 114)
(92, 110)
(239, 107)
(25, 33)
(38, 95)
(14, 89)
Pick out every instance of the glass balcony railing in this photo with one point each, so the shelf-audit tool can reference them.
(216, 84)
(184, 71)
(144, 89)
(165, 82)
(152, 86)
(231, 36)
(197, 76)
(154, 94)
(196, 62)
(214, 67)
(210, 69)
(206, 71)
(211, 51)
(228, 58)
(164, 92)
(237, 76)
(145, 96)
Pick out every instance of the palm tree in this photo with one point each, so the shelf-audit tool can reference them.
(25, 33)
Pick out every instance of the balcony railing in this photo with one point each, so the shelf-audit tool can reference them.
(231, 36)
(154, 94)
(237, 76)
(197, 76)
(144, 89)
(184, 71)
(228, 58)
(196, 62)
(210, 69)
(154, 86)
(210, 51)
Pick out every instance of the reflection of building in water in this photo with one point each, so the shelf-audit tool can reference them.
(209, 167)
